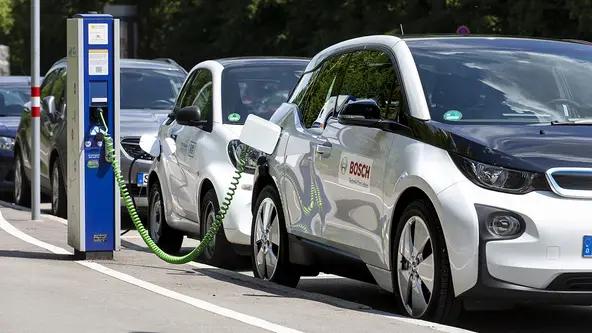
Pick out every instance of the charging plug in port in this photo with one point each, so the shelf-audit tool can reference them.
(95, 114)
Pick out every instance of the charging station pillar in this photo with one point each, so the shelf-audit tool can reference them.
(94, 208)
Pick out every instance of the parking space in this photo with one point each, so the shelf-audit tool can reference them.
(138, 292)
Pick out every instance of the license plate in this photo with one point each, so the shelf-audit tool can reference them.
(587, 248)
(142, 179)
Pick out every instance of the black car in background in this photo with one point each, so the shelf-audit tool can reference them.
(15, 92)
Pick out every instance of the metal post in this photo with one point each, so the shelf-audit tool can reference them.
(35, 111)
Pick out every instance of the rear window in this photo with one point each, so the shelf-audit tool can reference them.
(500, 80)
(258, 90)
(145, 88)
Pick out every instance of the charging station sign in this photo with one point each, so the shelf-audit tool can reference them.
(98, 62)
(98, 34)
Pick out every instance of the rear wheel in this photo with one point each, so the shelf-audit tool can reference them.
(165, 237)
(58, 192)
(269, 241)
(219, 252)
(22, 188)
(421, 269)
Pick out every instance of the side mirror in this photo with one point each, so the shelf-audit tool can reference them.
(190, 116)
(51, 107)
(362, 112)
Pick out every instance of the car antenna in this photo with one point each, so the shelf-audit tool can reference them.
(402, 32)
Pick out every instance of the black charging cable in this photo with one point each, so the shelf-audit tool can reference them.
(129, 177)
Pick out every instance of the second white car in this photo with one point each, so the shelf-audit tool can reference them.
(188, 185)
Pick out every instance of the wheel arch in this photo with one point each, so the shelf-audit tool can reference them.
(204, 187)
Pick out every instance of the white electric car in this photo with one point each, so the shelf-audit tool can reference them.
(189, 181)
(460, 171)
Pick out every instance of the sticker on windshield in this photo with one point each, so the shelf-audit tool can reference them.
(234, 117)
(452, 115)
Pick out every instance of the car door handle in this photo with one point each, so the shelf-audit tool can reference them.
(323, 149)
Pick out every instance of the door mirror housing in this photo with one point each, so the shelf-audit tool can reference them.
(51, 107)
(362, 112)
(190, 116)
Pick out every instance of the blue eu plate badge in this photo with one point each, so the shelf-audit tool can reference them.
(587, 248)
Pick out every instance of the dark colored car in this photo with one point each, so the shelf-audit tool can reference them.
(15, 92)
(148, 89)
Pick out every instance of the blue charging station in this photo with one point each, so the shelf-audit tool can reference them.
(94, 209)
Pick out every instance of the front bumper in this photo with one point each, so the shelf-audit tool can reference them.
(543, 264)
(238, 220)
(6, 171)
(140, 168)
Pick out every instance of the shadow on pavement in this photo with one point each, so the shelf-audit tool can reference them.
(35, 255)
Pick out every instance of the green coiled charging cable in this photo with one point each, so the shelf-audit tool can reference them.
(206, 239)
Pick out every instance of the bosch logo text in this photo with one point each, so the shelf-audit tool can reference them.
(359, 169)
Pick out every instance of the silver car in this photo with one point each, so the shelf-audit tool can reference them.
(148, 88)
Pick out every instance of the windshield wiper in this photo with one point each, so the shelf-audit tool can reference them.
(572, 122)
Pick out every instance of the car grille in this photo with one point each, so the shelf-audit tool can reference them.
(571, 182)
(132, 148)
(572, 282)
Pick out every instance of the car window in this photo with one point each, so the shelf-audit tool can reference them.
(45, 89)
(202, 86)
(59, 92)
(149, 88)
(187, 93)
(257, 89)
(325, 83)
(504, 80)
(13, 98)
(371, 75)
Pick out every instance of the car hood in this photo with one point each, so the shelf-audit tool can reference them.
(527, 147)
(137, 122)
(9, 126)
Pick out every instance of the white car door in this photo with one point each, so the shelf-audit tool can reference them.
(190, 146)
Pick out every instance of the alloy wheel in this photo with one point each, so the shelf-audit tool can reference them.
(156, 218)
(18, 179)
(415, 267)
(267, 239)
(55, 189)
(210, 218)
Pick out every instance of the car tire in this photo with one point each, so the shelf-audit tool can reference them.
(267, 254)
(221, 254)
(22, 188)
(166, 238)
(422, 263)
(59, 206)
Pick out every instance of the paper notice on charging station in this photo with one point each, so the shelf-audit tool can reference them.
(98, 62)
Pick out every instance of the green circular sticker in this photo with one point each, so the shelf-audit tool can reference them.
(234, 117)
(452, 115)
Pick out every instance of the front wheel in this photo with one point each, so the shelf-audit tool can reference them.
(219, 251)
(58, 192)
(165, 237)
(269, 241)
(421, 270)
(22, 188)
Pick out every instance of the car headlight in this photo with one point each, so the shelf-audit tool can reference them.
(499, 178)
(6, 143)
(235, 151)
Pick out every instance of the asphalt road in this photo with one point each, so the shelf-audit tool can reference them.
(519, 320)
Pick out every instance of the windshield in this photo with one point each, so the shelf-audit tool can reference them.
(259, 90)
(12, 100)
(479, 80)
(145, 88)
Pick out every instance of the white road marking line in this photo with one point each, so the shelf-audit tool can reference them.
(249, 320)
